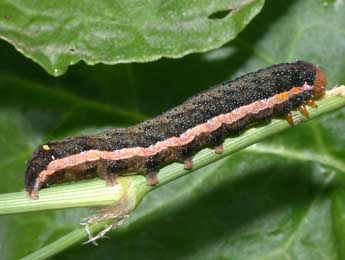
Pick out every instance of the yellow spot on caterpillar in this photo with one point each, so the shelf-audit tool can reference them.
(46, 147)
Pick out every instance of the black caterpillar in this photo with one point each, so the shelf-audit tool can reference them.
(204, 120)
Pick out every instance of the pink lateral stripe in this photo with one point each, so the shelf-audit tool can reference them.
(185, 138)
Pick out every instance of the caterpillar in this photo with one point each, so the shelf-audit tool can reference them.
(203, 120)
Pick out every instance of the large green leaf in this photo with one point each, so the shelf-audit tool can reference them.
(57, 34)
(280, 199)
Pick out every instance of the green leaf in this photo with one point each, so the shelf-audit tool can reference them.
(279, 199)
(61, 33)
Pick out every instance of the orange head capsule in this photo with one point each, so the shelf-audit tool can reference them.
(319, 83)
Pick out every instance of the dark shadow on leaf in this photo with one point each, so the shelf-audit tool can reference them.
(219, 14)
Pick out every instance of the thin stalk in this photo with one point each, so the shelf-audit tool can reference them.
(77, 235)
(93, 193)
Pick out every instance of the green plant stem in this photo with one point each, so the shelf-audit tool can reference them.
(85, 194)
(79, 195)
(94, 193)
(77, 235)
(166, 175)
